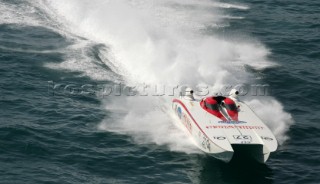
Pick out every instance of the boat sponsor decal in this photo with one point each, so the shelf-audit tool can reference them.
(220, 138)
(244, 139)
(195, 122)
(232, 122)
(184, 118)
(174, 106)
(206, 143)
(267, 138)
(187, 123)
(179, 112)
(189, 115)
(233, 126)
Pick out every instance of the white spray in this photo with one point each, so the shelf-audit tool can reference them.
(163, 42)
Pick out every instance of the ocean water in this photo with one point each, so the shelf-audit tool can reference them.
(63, 118)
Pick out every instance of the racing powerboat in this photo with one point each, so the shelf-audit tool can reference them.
(225, 127)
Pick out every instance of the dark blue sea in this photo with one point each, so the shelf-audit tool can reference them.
(72, 109)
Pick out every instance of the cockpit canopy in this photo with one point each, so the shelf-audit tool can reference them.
(230, 104)
(213, 104)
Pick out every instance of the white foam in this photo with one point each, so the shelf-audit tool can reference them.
(233, 6)
(153, 126)
(162, 42)
(272, 113)
(15, 14)
(152, 51)
(79, 59)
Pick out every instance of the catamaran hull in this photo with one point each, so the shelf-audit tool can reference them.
(221, 141)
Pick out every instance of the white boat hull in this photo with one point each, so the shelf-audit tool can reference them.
(222, 139)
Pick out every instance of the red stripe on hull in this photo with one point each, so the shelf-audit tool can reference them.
(185, 108)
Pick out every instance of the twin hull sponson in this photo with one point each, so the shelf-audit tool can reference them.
(223, 131)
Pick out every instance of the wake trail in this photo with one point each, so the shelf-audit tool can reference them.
(163, 42)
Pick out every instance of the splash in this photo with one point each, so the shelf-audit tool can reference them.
(147, 123)
(157, 40)
(272, 113)
(163, 42)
